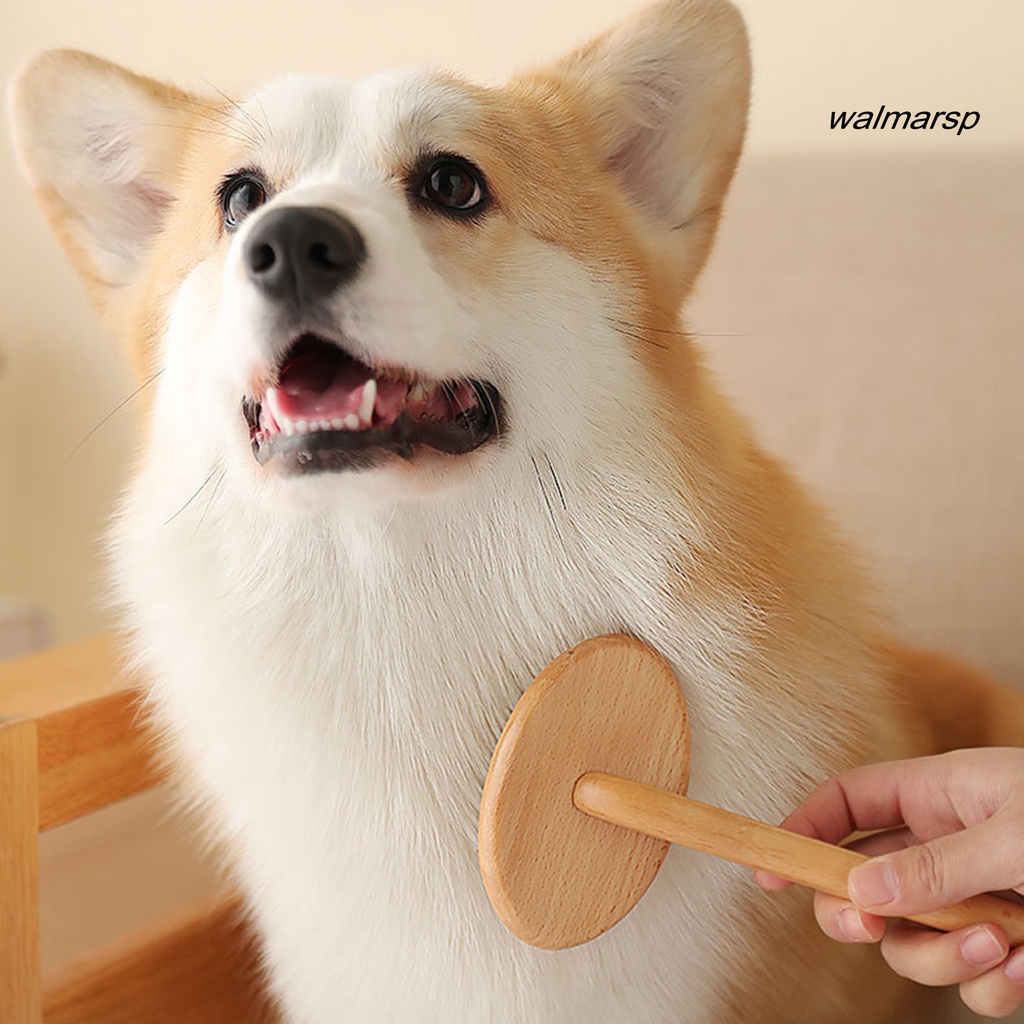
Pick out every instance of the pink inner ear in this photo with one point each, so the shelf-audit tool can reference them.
(632, 164)
(650, 112)
(116, 162)
(150, 204)
(111, 148)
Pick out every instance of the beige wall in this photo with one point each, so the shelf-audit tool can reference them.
(62, 376)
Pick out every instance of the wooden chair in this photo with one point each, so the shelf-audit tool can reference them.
(70, 744)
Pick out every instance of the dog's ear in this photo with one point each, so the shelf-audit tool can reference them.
(666, 93)
(102, 147)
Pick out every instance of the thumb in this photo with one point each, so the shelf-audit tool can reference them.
(937, 874)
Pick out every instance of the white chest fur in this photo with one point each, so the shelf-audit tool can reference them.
(337, 688)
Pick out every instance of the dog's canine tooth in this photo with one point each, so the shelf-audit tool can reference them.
(368, 401)
(271, 402)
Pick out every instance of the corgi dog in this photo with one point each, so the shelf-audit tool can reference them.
(422, 414)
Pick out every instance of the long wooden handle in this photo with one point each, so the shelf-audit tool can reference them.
(741, 840)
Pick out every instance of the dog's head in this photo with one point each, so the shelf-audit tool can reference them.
(384, 287)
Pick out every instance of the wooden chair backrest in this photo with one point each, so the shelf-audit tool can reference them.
(72, 742)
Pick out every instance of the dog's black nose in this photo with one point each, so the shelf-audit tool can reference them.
(303, 253)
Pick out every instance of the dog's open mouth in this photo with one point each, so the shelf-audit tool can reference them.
(329, 411)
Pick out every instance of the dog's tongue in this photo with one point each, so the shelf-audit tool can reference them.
(317, 385)
(324, 384)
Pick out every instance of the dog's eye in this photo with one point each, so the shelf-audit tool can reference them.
(240, 194)
(453, 184)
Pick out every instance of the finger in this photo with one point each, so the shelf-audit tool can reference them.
(937, 874)
(842, 921)
(884, 842)
(937, 958)
(770, 882)
(999, 992)
(864, 799)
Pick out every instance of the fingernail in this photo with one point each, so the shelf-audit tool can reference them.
(1014, 968)
(852, 925)
(873, 884)
(981, 947)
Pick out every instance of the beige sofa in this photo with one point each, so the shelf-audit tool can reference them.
(868, 314)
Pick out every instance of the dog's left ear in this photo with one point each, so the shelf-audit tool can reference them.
(666, 94)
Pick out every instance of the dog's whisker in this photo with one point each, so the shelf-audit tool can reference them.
(223, 113)
(225, 132)
(261, 126)
(224, 119)
(673, 332)
(554, 477)
(221, 117)
(638, 336)
(247, 114)
(547, 501)
(195, 494)
(110, 415)
(209, 502)
(448, 387)
(492, 409)
(211, 109)
(232, 128)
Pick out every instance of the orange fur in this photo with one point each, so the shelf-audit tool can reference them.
(948, 705)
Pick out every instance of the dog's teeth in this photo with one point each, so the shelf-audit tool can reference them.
(302, 426)
(271, 400)
(417, 393)
(324, 424)
(351, 421)
(367, 403)
(288, 427)
(338, 424)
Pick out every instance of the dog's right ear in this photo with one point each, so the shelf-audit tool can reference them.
(103, 149)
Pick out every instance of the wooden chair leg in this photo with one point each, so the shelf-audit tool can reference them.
(20, 980)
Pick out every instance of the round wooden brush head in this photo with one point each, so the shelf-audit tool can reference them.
(556, 876)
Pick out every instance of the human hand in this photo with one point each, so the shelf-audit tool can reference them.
(956, 826)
